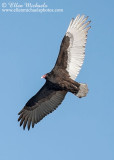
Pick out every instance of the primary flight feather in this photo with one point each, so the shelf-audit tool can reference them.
(61, 79)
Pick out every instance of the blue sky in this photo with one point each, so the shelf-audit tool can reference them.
(81, 129)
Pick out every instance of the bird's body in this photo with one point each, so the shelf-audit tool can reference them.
(61, 79)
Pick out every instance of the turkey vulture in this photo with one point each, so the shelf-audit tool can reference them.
(61, 78)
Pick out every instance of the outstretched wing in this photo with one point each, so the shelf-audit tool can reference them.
(43, 103)
(72, 50)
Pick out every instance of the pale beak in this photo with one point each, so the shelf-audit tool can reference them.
(43, 76)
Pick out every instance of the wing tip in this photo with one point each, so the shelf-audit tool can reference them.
(79, 22)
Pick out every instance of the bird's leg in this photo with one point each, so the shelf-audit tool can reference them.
(74, 87)
(73, 82)
(70, 86)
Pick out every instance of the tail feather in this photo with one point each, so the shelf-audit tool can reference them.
(83, 90)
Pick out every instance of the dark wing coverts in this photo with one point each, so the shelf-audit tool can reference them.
(43, 103)
(70, 59)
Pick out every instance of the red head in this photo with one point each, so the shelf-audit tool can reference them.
(44, 76)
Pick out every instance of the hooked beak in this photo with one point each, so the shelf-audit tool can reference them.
(44, 76)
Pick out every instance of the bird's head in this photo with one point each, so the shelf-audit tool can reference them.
(44, 76)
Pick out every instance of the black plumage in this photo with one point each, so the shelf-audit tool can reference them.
(61, 79)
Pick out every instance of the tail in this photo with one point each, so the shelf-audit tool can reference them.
(83, 90)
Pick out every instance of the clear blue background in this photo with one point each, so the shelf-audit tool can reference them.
(80, 129)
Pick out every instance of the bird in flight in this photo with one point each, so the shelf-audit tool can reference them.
(61, 79)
